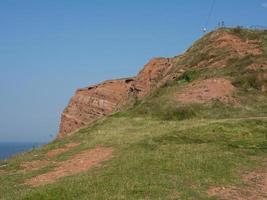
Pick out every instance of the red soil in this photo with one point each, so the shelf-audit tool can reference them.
(37, 164)
(235, 46)
(208, 90)
(78, 163)
(238, 46)
(34, 165)
(64, 149)
(2, 172)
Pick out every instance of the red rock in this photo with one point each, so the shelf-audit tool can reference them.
(91, 103)
(154, 72)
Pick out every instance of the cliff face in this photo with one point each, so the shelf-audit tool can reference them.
(93, 102)
(152, 75)
(235, 54)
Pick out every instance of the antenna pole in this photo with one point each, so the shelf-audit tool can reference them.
(209, 16)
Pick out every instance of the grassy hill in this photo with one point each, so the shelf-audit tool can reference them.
(164, 146)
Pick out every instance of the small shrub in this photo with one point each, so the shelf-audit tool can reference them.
(184, 112)
(188, 76)
(178, 113)
(247, 81)
(240, 62)
(237, 30)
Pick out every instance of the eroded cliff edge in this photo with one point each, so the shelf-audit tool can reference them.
(93, 102)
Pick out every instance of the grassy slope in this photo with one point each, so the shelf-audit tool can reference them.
(162, 149)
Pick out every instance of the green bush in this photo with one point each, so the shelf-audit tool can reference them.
(247, 81)
(188, 76)
(184, 112)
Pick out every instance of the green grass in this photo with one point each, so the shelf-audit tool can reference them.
(154, 159)
(163, 149)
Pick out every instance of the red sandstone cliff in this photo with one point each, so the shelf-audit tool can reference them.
(216, 50)
(93, 102)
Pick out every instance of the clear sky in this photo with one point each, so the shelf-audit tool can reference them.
(50, 48)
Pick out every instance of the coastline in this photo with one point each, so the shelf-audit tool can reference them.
(9, 149)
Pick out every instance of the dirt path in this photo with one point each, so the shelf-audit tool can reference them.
(78, 163)
(204, 122)
(34, 165)
(61, 150)
(210, 121)
(38, 164)
(239, 119)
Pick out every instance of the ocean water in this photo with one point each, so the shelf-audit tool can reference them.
(8, 149)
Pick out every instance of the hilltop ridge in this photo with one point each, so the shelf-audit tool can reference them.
(214, 51)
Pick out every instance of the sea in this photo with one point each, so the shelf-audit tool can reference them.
(9, 149)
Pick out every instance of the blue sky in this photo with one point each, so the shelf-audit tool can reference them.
(50, 48)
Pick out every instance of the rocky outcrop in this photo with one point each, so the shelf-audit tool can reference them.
(93, 102)
(152, 75)
(208, 90)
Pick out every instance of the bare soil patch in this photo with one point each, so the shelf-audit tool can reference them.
(208, 90)
(238, 46)
(235, 47)
(76, 164)
(64, 149)
(214, 63)
(37, 164)
(255, 188)
(34, 165)
(2, 172)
